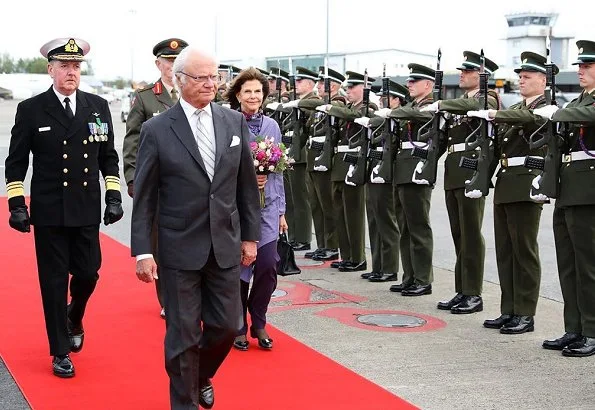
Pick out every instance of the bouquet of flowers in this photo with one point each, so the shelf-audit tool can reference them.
(269, 157)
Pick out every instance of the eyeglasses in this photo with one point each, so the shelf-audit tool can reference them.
(203, 78)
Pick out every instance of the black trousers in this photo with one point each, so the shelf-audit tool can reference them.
(203, 315)
(60, 251)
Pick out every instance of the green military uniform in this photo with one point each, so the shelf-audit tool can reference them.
(380, 202)
(319, 182)
(300, 220)
(465, 214)
(574, 215)
(147, 103)
(412, 200)
(349, 201)
(516, 215)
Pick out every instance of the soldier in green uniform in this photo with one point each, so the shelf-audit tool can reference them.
(147, 103)
(574, 215)
(273, 96)
(516, 214)
(380, 197)
(319, 181)
(349, 200)
(412, 200)
(300, 222)
(465, 214)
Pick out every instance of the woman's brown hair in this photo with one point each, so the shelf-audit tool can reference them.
(247, 74)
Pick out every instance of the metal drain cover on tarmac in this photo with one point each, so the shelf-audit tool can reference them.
(278, 293)
(391, 320)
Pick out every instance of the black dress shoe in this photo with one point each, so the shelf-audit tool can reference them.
(384, 277)
(518, 325)
(448, 304)
(469, 304)
(62, 366)
(328, 255)
(264, 341)
(353, 267)
(368, 275)
(561, 342)
(417, 290)
(400, 287)
(582, 348)
(206, 394)
(498, 322)
(76, 334)
(319, 251)
(241, 343)
(301, 246)
(338, 264)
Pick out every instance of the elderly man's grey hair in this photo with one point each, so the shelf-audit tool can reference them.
(180, 63)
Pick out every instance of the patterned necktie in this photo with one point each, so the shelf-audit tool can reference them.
(174, 95)
(67, 108)
(205, 142)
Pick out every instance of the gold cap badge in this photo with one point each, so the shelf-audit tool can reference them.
(173, 45)
(71, 46)
(580, 50)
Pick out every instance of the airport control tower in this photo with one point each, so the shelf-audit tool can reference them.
(527, 31)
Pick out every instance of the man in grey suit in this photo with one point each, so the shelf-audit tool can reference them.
(194, 167)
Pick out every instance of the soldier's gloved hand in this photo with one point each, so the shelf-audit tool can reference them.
(546, 112)
(383, 112)
(131, 190)
(363, 121)
(487, 115)
(434, 107)
(273, 106)
(291, 104)
(113, 207)
(19, 219)
(324, 107)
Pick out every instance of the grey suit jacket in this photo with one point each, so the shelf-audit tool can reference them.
(195, 214)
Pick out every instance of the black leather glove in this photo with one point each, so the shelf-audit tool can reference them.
(113, 207)
(19, 219)
(131, 190)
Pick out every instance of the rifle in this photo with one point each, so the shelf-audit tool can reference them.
(548, 183)
(296, 133)
(361, 140)
(382, 173)
(426, 171)
(323, 162)
(480, 139)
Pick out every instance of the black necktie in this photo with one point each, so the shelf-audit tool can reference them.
(67, 108)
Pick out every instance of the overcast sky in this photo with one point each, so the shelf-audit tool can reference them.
(122, 33)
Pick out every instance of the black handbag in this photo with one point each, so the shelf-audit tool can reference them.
(286, 265)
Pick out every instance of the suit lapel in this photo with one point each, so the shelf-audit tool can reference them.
(183, 131)
(55, 109)
(164, 97)
(222, 134)
(83, 110)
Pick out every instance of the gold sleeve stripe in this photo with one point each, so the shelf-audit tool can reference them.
(15, 189)
(112, 183)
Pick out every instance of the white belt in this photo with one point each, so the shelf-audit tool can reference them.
(459, 148)
(578, 156)
(379, 149)
(410, 145)
(289, 133)
(345, 148)
(514, 161)
(318, 139)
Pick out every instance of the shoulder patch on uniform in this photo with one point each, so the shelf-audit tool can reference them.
(145, 88)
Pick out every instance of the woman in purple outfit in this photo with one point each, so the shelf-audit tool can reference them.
(247, 92)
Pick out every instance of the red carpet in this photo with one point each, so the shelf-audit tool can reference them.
(121, 366)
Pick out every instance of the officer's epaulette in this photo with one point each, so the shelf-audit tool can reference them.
(148, 87)
(516, 106)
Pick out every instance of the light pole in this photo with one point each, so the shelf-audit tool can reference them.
(132, 18)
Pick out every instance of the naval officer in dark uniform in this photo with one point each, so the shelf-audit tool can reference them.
(70, 134)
